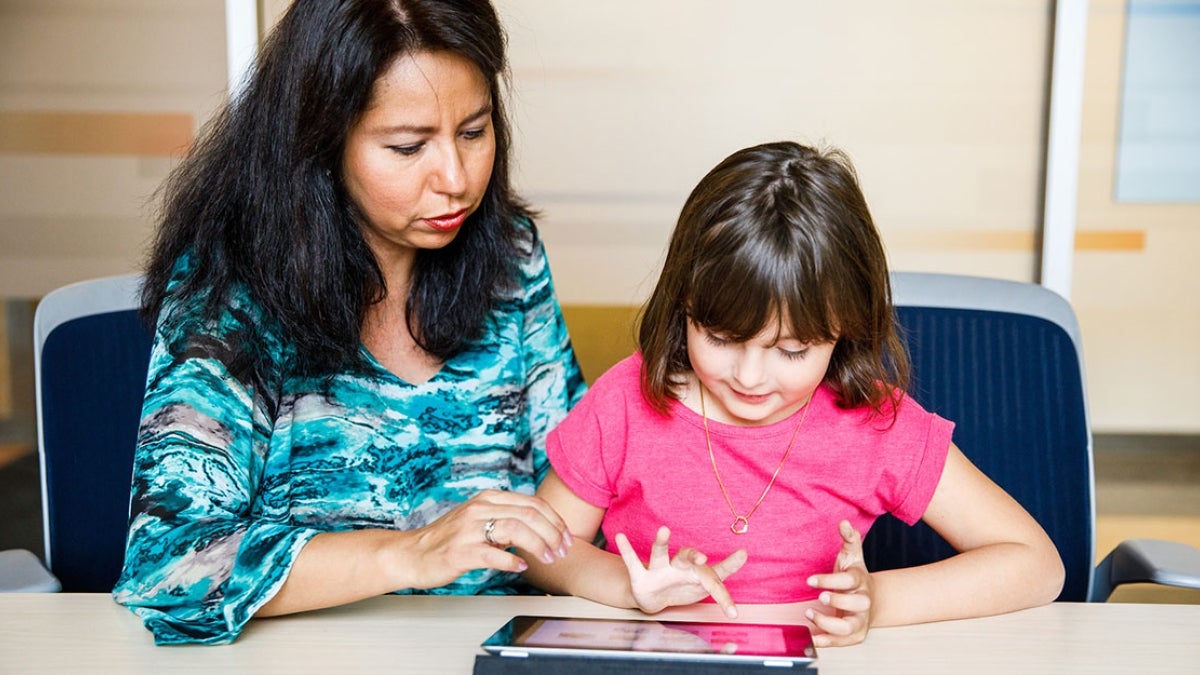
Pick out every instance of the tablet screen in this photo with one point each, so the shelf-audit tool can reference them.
(638, 638)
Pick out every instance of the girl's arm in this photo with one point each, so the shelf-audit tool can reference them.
(598, 575)
(1005, 562)
(586, 571)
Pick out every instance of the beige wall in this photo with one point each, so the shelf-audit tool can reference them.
(620, 106)
(1139, 312)
(96, 99)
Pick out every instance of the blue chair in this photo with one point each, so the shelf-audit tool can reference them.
(91, 354)
(1003, 360)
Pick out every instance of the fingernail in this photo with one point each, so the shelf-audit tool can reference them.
(522, 566)
(731, 612)
(548, 557)
(567, 538)
(824, 597)
(562, 551)
(809, 614)
(812, 581)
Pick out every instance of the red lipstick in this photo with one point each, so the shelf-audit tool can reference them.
(448, 222)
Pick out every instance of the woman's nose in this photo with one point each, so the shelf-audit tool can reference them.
(450, 176)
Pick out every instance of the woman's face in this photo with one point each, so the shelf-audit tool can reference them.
(418, 161)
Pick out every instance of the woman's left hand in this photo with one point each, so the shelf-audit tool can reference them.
(847, 594)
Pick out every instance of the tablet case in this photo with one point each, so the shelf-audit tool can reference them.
(492, 664)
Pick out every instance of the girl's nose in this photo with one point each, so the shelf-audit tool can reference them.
(750, 369)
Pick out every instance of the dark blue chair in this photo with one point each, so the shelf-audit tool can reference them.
(1003, 360)
(91, 354)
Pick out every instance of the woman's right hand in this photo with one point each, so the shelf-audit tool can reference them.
(682, 580)
(458, 542)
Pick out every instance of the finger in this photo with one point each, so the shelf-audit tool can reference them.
(660, 554)
(688, 557)
(715, 588)
(821, 640)
(521, 529)
(731, 564)
(851, 554)
(838, 581)
(835, 629)
(507, 498)
(533, 511)
(498, 559)
(857, 603)
(632, 562)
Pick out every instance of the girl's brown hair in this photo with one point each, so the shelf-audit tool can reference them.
(778, 232)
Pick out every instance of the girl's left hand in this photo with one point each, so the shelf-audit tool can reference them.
(847, 594)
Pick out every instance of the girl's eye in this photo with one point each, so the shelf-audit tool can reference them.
(714, 340)
(406, 150)
(794, 354)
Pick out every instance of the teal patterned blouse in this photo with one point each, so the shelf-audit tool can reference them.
(238, 464)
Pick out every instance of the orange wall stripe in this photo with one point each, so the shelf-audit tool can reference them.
(96, 133)
(1012, 240)
(1110, 240)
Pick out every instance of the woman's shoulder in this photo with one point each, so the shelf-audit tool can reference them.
(531, 262)
(231, 315)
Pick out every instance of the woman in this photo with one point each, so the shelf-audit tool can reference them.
(358, 350)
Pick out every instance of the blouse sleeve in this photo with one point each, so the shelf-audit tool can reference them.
(553, 379)
(198, 563)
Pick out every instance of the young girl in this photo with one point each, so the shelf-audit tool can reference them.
(764, 420)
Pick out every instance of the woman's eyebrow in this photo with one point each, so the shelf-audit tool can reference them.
(484, 111)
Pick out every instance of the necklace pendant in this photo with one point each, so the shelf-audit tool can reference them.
(740, 525)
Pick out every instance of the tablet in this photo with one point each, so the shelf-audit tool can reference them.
(766, 644)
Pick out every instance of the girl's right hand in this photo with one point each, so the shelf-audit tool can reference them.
(458, 542)
(683, 580)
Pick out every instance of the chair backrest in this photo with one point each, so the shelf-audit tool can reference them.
(91, 354)
(1003, 360)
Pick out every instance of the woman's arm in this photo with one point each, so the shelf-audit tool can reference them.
(335, 568)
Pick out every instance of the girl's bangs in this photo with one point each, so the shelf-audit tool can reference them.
(750, 289)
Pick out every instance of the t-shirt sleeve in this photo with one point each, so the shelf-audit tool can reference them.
(587, 450)
(198, 564)
(928, 436)
(553, 379)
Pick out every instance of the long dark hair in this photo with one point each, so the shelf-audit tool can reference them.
(260, 202)
(778, 232)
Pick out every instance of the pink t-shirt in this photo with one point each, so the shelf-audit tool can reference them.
(615, 452)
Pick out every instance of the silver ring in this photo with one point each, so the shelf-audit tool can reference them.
(488, 529)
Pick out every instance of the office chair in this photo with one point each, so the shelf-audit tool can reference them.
(1003, 360)
(91, 354)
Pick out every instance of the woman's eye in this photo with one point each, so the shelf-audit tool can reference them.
(406, 150)
(473, 134)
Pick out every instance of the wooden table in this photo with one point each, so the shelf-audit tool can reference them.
(77, 633)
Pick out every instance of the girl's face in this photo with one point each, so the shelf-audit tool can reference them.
(761, 381)
(418, 161)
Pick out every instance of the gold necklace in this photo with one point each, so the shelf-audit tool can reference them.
(741, 524)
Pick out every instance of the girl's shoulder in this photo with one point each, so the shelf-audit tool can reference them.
(619, 387)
